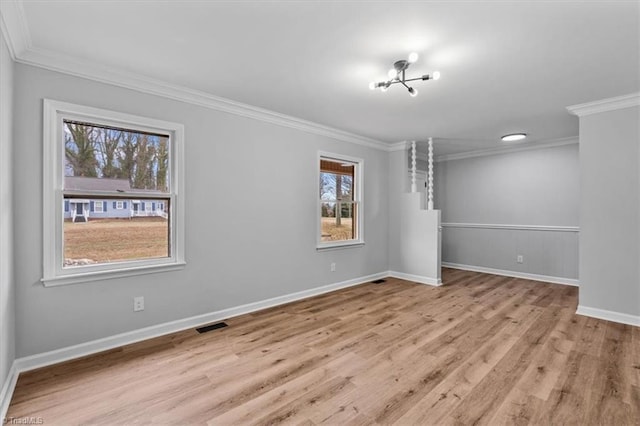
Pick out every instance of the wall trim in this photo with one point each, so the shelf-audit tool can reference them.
(603, 314)
(398, 146)
(83, 349)
(527, 146)
(8, 387)
(84, 69)
(15, 28)
(604, 105)
(415, 278)
(515, 274)
(512, 227)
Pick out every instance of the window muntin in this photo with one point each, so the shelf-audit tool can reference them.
(340, 201)
(97, 165)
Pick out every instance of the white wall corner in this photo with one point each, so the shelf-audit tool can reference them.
(416, 278)
(603, 314)
(14, 27)
(604, 105)
(8, 387)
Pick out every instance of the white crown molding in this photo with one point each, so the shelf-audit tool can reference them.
(16, 32)
(14, 27)
(604, 105)
(398, 146)
(604, 314)
(509, 149)
(513, 227)
(513, 274)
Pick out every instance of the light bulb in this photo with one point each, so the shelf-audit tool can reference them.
(413, 92)
(436, 75)
(392, 73)
(413, 57)
(372, 85)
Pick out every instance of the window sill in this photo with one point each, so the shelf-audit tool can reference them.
(84, 277)
(338, 246)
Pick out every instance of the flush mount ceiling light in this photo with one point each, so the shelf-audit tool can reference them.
(397, 76)
(514, 137)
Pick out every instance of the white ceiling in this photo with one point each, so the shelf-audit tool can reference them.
(506, 66)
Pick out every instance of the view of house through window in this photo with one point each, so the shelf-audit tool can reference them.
(338, 202)
(116, 194)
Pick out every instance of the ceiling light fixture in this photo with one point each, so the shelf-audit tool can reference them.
(397, 76)
(514, 137)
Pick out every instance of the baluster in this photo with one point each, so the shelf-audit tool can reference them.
(413, 167)
(430, 177)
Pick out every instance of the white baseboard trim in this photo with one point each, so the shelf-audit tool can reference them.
(76, 351)
(514, 274)
(7, 390)
(603, 314)
(416, 278)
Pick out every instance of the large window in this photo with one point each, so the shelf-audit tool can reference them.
(340, 201)
(103, 173)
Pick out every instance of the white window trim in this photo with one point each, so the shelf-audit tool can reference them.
(119, 205)
(358, 197)
(53, 202)
(97, 203)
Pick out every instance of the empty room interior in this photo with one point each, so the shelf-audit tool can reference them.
(320, 212)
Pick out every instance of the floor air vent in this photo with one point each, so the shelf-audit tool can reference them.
(211, 327)
(380, 281)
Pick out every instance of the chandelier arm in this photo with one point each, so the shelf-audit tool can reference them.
(404, 84)
(419, 78)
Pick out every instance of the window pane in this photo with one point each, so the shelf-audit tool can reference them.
(121, 231)
(102, 158)
(338, 221)
(336, 180)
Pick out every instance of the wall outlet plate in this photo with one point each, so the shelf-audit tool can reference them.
(138, 304)
(520, 258)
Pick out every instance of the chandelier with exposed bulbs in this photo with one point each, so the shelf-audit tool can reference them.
(397, 76)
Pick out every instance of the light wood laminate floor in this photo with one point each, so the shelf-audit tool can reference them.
(483, 349)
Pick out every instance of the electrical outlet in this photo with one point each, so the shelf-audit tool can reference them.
(138, 304)
(333, 266)
(520, 258)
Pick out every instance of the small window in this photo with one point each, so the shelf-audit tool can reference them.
(340, 206)
(96, 162)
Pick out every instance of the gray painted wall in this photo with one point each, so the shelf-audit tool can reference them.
(398, 185)
(7, 297)
(610, 209)
(250, 221)
(534, 187)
